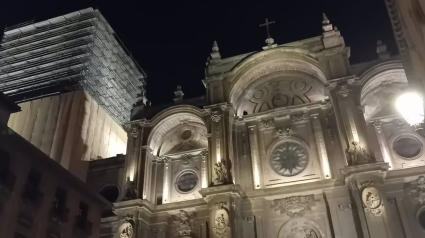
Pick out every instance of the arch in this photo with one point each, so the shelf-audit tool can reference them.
(302, 226)
(380, 84)
(166, 121)
(267, 62)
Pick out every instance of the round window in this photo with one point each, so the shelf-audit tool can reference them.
(407, 147)
(186, 134)
(289, 159)
(187, 182)
(110, 192)
(421, 218)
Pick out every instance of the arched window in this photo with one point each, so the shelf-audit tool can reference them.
(110, 193)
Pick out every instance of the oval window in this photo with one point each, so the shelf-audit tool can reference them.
(407, 147)
(110, 193)
(187, 182)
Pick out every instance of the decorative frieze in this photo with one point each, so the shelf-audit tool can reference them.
(298, 117)
(266, 123)
(416, 189)
(372, 201)
(294, 205)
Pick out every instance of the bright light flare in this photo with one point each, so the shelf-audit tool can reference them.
(410, 106)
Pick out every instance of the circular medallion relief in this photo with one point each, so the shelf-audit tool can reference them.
(289, 159)
(187, 181)
(407, 147)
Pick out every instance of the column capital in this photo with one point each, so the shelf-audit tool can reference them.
(134, 127)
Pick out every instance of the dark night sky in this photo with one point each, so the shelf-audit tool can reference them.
(171, 41)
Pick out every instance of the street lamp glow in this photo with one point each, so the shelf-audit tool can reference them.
(410, 106)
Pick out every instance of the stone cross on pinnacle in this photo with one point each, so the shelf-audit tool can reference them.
(267, 23)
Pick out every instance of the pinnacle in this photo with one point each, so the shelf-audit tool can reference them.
(215, 47)
(325, 19)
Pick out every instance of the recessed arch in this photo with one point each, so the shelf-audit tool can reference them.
(280, 61)
(175, 120)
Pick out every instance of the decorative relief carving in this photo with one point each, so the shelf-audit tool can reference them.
(343, 90)
(357, 154)
(294, 205)
(220, 172)
(372, 201)
(126, 228)
(221, 220)
(266, 123)
(284, 134)
(416, 189)
(377, 124)
(298, 117)
(186, 159)
(185, 222)
(216, 115)
(244, 148)
(166, 160)
(302, 232)
(344, 207)
(133, 129)
(204, 153)
(281, 93)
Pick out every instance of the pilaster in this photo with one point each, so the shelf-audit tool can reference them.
(320, 143)
(382, 141)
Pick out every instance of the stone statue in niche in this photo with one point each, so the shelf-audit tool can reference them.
(131, 190)
(126, 229)
(416, 189)
(357, 154)
(220, 172)
(185, 222)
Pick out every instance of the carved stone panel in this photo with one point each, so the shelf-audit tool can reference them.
(372, 201)
(294, 205)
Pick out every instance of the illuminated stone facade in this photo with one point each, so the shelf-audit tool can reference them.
(291, 141)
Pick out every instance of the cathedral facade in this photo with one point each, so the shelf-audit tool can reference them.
(290, 142)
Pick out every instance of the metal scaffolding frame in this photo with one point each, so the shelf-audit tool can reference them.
(76, 50)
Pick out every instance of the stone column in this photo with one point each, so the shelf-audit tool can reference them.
(131, 181)
(219, 155)
(320, 143)
(352, 124)
(383, 143)
(255, 156)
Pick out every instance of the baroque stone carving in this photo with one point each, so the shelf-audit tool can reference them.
(281, 93)
(166, 160)
(357, 154)
(294, 205)
(401, 124)
(185, 222)
(416, 189)
(221, 220)
(186, 159)
(204, 153)
(220, 172)
(377, 124)
(216, 115)
(343, 90)
(302, 232)
(266, 123)
(372, 201)
(126, 228)
(283, 134)
(133, 129)
(297, 118)
(289, 159)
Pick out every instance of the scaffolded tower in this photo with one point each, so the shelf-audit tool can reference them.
(65, 53)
